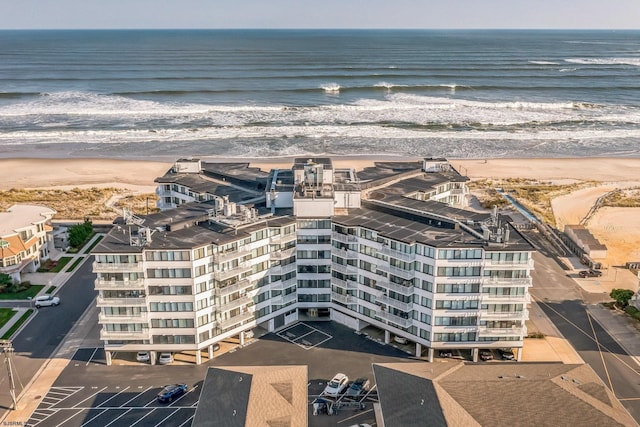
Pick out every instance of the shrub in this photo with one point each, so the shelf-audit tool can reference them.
(622, 297)
(633, 312)
(78, 234)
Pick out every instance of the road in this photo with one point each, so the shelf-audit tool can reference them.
(38, 340)
(563, 301)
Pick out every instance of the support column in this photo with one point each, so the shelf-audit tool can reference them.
(241, 339)
(474, 353)
(198, 357)
(518, 354)
(387, 337)
(418, 350)
(154, 357)
(430, 355)
(108, 357)
(210, 352)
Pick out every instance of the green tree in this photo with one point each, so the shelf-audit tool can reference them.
(79, 233)
(5, 282)
(622, 297)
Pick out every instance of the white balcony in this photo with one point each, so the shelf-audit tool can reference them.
(118, 302)
(124, 335)
(236, 320)
(279, 239)
(133, 318)
(284, 299)
(507, 299)
(344, 284)
(344, 299)
(402, 256)
(229, 255)
(399, 272)
(400, 321)
(504, 315)
(235, 303)
(403, 290)
(344, 253)
(501, 332)
(101, 284)
(283, 253)
(235, 271)
(344, 269)
(498, 281)
(521, 265)
(384, 299)
(344, 238)
(108, 267)
(236, 287)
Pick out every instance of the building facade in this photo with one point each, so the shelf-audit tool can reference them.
(25, 239)
(390, 246)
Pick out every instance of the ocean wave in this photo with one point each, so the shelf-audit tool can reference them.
(543, 62)
(605, 61)
(331, 87)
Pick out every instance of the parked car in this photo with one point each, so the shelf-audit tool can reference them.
(506, 354)
(165, 358)
(486, 355)
(590, 273)
(143, 356)
(171, 392)
(400, 340)
(446, 353)
(337, 385)
(359, 386)
(46, 301)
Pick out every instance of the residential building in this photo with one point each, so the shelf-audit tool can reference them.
(390, 246)
(25, 239)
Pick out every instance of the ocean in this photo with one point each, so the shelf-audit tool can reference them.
(266, 93)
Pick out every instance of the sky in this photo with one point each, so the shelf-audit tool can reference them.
(427, 14)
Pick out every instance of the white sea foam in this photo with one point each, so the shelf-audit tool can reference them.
(543, 62)
(331, 87)
(604, 61)
(567, 70)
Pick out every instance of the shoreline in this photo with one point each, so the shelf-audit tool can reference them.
(29, 172)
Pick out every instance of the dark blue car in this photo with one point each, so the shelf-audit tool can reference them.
(171, 392)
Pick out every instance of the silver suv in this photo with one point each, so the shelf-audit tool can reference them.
(46, 301)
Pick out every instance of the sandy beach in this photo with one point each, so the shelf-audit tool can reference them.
(618, 228)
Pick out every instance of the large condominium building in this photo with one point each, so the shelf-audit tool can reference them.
(25, 239)
(390, 246)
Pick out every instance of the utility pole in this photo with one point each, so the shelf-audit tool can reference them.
(7, 349)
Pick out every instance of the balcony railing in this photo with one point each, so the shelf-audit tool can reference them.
(344, 269)
(284, 299)
(101, 284)
(235, 271)
(283, 253)
(235, 303)
(506, 282)
(400, 321)
(235, 320)
(488, 298)
(115, 302)
(403, 290)
(344, 284)
(107, 267)
(384, 299)
(344, 299)
(226, 256)
(510, 315)
(520, 264)
(517, 331)
(280, 239)
(344, 238)
(125, 335)
(401, 273)
(236, 287)
(402, 256)
(132, 318)
(344, 253)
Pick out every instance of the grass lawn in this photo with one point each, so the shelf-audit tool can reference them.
(5, 315)
(31, 292)
(16, 325)
(75, 264)
(51, 266)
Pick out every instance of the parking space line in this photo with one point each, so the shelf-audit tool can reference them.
(93, 395)
(142, 417)
(65, 421)
(167, 417)
(187, 421)
(121, 391)
(189, 391)
(91, 357)
(121, 415)
(101, 412)
(135, 397)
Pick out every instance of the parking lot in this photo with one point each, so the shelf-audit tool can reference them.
(89, 393)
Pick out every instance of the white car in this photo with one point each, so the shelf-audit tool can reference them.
(143, 356)
(165, 358)
(336, 386)
(46, 301)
